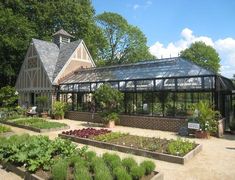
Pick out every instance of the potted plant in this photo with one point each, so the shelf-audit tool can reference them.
(232, 126)
(42, 100)
(206, 117)
(110, 120)
(108, 100)
(58, 110)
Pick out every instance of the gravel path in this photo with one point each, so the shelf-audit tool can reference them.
(216, 161)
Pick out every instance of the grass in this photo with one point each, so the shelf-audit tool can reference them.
(38, 123)
(4, 129)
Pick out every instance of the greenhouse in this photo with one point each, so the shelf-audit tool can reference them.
(162, 87)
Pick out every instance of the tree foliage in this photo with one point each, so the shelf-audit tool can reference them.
(23, 19)
(203, 55)
(124, 43)
(8, 96)
(108, 98)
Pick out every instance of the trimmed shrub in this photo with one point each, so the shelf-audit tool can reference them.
(137, 172)
(128, 163)
(59, 170)
(81, 172)
(120, 173)
(90, 155)
(112, 160)
(148, 166)
(101, 171)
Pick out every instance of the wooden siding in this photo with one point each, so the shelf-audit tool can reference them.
(33, 79)
(79, 59)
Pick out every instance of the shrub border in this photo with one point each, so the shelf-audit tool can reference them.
(140, 152)
(33, 128)
(28, 176)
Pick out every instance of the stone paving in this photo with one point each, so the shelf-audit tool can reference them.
(215, 162)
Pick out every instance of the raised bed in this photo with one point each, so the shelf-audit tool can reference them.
(132, 150)
(33, 128)
(29, 176)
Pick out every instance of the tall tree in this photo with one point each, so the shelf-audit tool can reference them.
(203, 55)
(23, 19)
(124, 43)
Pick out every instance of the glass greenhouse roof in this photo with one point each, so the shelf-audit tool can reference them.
(171, 67)
(163, 74)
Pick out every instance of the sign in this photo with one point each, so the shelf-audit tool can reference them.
(194, 126)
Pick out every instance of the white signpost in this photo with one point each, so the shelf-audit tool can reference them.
(194, 126)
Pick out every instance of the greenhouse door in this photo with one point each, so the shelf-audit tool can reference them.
(227, 112)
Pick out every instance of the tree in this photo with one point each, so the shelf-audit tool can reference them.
(8, 96)
(203, 55)
(124, 43)
(23, 19)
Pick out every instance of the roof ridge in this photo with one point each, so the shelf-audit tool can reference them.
(133, 64)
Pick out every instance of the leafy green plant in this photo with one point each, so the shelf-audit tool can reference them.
(90, 155)
(59, 170)
(111, 117)
(8, 96)
(42, 100)
(207, 117)
(180, 147)
(137, 172)
(58, 108)
(101, 171)
(4, 129)
(35, 152)
(120, 173)
(109, 136)
(112, 160)
(148, 166)
(128, 163)
(109, 101)
(81, 172)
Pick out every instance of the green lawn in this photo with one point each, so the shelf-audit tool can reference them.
(4, 129)
(38, 123)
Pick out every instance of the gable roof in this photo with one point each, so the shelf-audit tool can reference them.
(160, 68)
(65, 53)
(48, 53)
(52, 57)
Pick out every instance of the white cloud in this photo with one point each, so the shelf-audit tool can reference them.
(144, 6)
(225, 48)
(136, 6)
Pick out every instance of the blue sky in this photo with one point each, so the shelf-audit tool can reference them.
(172, 25)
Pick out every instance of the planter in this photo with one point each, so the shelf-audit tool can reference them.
(59, 116)
(202, 134)
(141, 152)
(44, 114)
(111, 124)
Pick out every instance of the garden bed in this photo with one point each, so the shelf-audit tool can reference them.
(5, 131)
(36, 124)
(38, 157)
(175, 151)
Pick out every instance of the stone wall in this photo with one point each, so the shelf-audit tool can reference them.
(158, 123)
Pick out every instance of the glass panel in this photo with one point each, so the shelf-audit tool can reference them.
(130, 85)
(208, 82)
(189, 83)
(84, 87)
(144, 85)
(169, 84)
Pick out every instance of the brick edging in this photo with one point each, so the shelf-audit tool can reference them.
(141, 152)
(35, 129)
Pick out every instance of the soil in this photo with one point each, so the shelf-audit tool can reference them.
(148, 143)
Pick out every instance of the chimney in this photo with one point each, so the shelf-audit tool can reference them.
(61, 37)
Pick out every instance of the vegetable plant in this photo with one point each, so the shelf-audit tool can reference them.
(148, 166)
(180, 147)
(86, 132)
